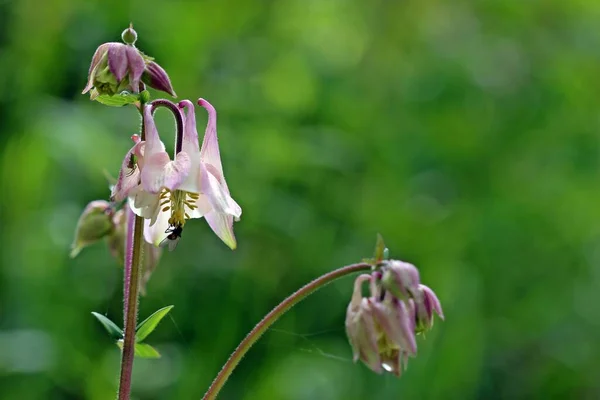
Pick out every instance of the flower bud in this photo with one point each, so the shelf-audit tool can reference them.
(94, 224)
(129, 35)
(115, 67)
(401, 279)
(424, 313)
(380, 331)
(156, 77)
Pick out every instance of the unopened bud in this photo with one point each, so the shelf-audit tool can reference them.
(94, 224)
(401, 279)
(129, 35)
(156, 77)
(425, 309)
(380, 331)
(115, 67)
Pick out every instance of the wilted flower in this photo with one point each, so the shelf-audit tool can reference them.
(381, 328)
(168, 192)
(118, 67)
(95, 223)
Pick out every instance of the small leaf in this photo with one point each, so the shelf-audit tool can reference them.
(142, 350)
(379, 249)
(117, 100)
(150, 323)
(113, 330)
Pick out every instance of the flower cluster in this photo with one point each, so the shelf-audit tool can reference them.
(382, 327)
(169, 192)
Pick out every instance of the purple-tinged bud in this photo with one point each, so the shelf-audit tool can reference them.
(401, 279)
(397, 322)
(156, 77)
(94, 224)
(425, 309)
(360, 328)
(115, 67)
(381, 331)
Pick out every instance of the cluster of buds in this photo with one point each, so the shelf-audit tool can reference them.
(382, 327)
(121, 67)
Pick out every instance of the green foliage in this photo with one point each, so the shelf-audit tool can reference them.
(118, 100)
(113, 330)
(465, 132)
(142, 350)
(149, 324)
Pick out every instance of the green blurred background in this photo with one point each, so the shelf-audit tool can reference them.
(466, 133)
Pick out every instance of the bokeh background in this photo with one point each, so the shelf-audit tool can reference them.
(466, 133)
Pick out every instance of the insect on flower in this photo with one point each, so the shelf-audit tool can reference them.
(174, 234)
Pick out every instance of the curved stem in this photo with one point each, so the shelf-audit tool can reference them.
(178, 119)
(270, 318)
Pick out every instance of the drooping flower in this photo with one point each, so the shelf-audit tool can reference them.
(382, 327)
(118, 67)
(167, 193)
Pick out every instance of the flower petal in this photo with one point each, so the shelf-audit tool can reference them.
(155, 233)
(117, 60)
(222, 226)
(209, 152)
(216, 192)
(393, 317)
(129, 175)
(136, 67)
(159, 172)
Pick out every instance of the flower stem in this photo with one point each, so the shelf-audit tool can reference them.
(270, 318)
(131, 291)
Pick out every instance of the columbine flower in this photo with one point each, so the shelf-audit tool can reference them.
(381, 332)
(190, 186)
(118, 67)
(381, 328)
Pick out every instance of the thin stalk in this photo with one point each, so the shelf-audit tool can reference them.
(131, 291)
(270, 318)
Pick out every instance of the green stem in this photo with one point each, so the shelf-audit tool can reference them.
(270, 318)
(132, 295)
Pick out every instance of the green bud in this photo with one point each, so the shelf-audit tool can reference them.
(94, 224)
(129, 35)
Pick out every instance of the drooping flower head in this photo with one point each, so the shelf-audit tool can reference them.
(381, 328)
(169, 192)
(118, 67)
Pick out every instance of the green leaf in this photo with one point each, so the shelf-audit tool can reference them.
(150, 323)
(113, 330)
(380, 249)
(142, 350)
(117, 100)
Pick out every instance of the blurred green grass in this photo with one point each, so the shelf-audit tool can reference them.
(466, 133)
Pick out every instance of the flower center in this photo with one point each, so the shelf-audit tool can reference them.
(177, 201)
